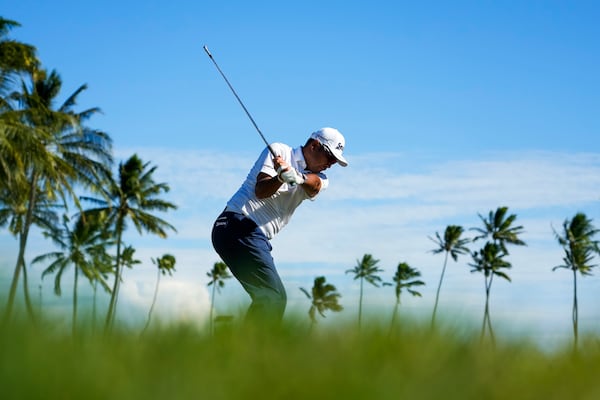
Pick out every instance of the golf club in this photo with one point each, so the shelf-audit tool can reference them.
(240, 101)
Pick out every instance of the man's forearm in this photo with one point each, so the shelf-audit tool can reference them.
(312, 184)
(266, 185)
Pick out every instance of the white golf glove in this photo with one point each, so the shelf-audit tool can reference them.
(290, 176)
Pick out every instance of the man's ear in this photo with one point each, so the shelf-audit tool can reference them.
(315, 144)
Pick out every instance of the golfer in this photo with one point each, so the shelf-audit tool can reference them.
(262, 206)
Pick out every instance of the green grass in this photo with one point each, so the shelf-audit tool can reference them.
(181, 362)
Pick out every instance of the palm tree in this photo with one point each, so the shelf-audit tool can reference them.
(79, 246)
(323, 297)
(14, 214)
(166, 265)
(51, 151)
(14, 56)
(452, 245)
(405, 278)
(131, 199)
(127, 260)
(499, 228)
(577, 240)
(217, 276)
(489, 260)
(366, 270)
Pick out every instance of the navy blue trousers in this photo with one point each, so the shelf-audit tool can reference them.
(247, 252)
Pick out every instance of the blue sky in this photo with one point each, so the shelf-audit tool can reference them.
(449, 109)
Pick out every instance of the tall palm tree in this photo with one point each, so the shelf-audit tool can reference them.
(366, 269)
(323, 296)
(53, 152)
(452, 245)
(499, 230)
(79, 246)
(490, 261)
(165, 265)
(577, 239)
(131, 199)
(217, 276)
(15, 57)
(405, 278)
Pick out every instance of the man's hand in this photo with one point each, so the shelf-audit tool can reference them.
(289, 175)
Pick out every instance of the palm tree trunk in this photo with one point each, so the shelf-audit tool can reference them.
(153, 302)
(490, 330)
(486, 308)
(212, 307)
(360, 303)
(437, 294)
(22, 244)
(489, 319)
(484, 323)
(108, 323)
(575, 310)
(487, 322)
(40, 302)
(94, 307)
(74, 318)
(28, 304)
(394, 314)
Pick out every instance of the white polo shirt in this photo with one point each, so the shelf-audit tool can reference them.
(273, 213)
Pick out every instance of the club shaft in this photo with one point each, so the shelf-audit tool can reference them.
(240, 101)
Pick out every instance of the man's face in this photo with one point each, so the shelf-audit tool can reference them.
(318, 157)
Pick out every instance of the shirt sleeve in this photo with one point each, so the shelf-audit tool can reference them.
(324, 181)
(324, 185)
(267, 163)
(267, 158)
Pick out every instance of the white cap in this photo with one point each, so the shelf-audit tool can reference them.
(333, 140)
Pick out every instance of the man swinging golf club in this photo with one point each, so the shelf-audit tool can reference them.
(281, 178)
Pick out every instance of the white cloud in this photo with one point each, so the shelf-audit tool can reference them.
(523, 180)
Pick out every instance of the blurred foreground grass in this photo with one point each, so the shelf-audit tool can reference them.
(182, 362)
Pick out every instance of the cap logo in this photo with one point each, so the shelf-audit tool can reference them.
(339, 146)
